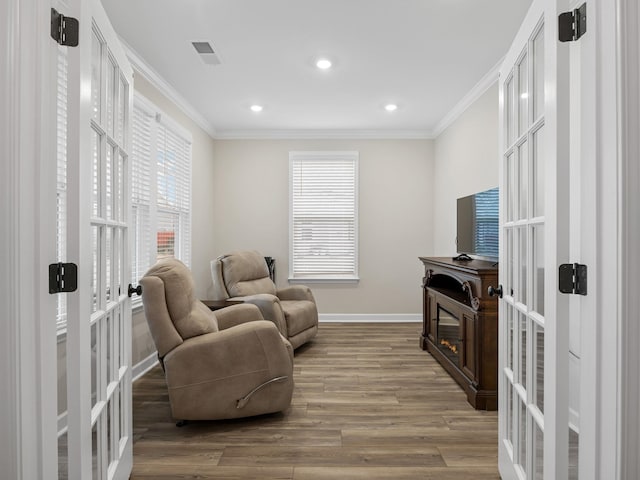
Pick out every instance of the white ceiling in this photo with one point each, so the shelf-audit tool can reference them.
(423, 55)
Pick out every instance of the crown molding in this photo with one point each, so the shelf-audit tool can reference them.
(474, 94)
(322, 135)
(153, 77)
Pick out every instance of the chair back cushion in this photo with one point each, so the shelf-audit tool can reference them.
(171, 307)
(246, 273)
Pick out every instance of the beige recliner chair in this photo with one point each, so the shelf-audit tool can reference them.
(227, 364)
(244, 275)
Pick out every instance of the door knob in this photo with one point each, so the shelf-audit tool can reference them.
(495, 291)
(137, 290)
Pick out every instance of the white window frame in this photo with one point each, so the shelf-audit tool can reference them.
(183, 244)
(295, 276)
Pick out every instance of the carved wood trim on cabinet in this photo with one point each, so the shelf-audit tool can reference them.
(460, 324)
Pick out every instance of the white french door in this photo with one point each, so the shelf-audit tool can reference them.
(523, 329)
(98, 440)
(548, 360)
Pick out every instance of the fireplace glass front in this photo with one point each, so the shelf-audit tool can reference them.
(448, 334)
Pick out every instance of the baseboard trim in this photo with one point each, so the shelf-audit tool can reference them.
(370, 317)
(142, 367)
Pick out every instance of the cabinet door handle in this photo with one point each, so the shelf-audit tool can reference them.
(495, 291)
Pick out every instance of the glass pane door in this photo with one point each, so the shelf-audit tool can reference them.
(99, 436)
(523, 316)
(110, 314)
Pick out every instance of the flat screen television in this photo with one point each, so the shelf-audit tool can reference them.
(478, 224)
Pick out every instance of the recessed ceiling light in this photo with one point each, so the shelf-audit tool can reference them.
(391, 107)
(323, 64)
(256, 108)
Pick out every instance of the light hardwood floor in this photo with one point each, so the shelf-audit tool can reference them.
(368, 404)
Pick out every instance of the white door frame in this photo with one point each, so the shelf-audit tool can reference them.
(28, 419)
(612, 264)
(629, 221)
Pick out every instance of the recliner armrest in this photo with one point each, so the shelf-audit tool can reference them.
(270, 308)
(296, 292)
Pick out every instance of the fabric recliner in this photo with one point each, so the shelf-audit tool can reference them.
(222, 365)
(244, 275)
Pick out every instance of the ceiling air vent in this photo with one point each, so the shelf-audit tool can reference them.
(207, 53)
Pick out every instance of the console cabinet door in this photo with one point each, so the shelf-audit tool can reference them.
(468, 357)
(433, 316)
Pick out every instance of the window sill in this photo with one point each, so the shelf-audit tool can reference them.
(326, 280)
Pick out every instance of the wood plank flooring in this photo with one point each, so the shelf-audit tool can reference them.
(368, 404)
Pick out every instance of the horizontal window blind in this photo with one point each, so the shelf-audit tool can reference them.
(487, 219)
(141, 148)
(324, 223)
(161, 190)
(174, 192)
(167, 235)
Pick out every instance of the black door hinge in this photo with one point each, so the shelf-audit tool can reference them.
(64, 30)
(63, 277)
(572, 25)
(572, 278)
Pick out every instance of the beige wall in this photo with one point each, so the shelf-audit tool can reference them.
(251, 210)
(466, 162)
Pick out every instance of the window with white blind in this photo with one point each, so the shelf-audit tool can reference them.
(323, 216)
(161, 189)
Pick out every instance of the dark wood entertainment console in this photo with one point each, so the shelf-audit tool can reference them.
(460, 324)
